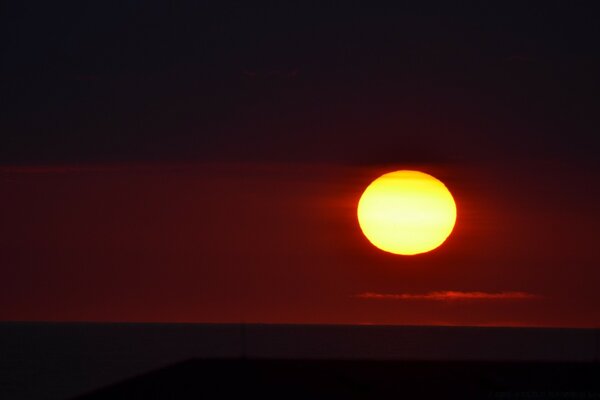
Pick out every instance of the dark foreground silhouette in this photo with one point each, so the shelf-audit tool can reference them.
(319, 379)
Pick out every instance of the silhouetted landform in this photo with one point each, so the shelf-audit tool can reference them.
(64, 360)
(353, 379)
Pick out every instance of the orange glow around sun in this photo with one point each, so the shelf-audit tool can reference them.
(406, 212)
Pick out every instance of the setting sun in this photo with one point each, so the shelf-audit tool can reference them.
(406, 212)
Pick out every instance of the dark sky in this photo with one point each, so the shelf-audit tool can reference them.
(178, 161)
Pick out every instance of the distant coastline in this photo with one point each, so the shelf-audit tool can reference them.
(67, 358)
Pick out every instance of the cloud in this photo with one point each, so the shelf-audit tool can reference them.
(69, 169)
(449, 295)
(49, 169)
(278, 74)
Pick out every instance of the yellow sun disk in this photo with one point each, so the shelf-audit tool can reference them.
(406, 212)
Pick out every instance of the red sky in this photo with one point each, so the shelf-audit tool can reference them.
(280, 243)
(187, 161)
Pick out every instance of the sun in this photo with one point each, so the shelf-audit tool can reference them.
(406, 212)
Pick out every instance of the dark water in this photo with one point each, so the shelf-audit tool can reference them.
(63, 360)
(360, 379)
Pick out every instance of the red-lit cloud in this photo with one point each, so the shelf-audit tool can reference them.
(449, 295)
(66, 169)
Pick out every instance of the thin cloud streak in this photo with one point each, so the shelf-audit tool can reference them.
(68, 169)
(449, 295)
